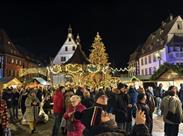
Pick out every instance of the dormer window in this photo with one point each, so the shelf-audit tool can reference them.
(179, 25)
(63, 58)
(69, 39)
(73, 48)
(66, 48)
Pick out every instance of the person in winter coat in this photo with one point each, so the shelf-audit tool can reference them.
(3, 115)
(159, 93)
(87, 101)
(31, 113)
(121, 109)
(151, 104)
(58, 109)
(74, 126)
(180, 93)
(8, 97)
(22, 99)
(101, 123)
(142, 105)
(171, 103)
(15, 103)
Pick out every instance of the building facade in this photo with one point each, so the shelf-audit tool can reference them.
(67, 50)
(163, 45)
(11, 59)
(70, 53)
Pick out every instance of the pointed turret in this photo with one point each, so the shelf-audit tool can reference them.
(77, 39)
(70, 32)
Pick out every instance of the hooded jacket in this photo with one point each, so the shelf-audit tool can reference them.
(174, 106)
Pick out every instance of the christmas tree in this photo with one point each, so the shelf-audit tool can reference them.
(98, 55)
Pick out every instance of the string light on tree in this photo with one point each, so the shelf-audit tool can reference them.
(98, 55)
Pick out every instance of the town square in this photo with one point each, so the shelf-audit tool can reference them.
(91, 68)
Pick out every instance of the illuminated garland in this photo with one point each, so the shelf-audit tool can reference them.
(56, 69)
(105, 69)
(73, 68)
(93, 68)
(123, 70)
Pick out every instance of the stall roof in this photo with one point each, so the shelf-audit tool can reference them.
(7, 79)
(40, 80)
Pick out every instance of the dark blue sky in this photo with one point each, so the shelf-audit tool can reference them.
(41, 27)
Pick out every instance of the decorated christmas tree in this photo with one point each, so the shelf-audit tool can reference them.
(98, 55)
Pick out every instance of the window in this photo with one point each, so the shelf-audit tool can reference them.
(69, 39)
(154, 69)
(73, 48)
(12, 60)
(179, 25)
(146, 73)
(154, 57)
(63, 58)
(8, 72)
(145, 60)
(181, 49)
(142, 72)
(16, 61)
(142, 62)
(20, 62)
(149, 58)
(66, 48)
(150, 71)
(169, 50)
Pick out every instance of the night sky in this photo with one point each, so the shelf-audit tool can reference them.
(41, 27)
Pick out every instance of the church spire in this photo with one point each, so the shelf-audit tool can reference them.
(70, 29)
(70, 32)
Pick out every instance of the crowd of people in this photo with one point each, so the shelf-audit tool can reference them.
(85, 111)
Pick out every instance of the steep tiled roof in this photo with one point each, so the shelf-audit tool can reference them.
(135, 54)
(78, 57)
(28, 55)
(6, 46)
(157, 39)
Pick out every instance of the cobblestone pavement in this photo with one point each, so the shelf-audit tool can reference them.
(45, 129)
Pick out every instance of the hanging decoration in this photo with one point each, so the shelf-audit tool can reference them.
(73, 68)
(93, 68)
(56, 69)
